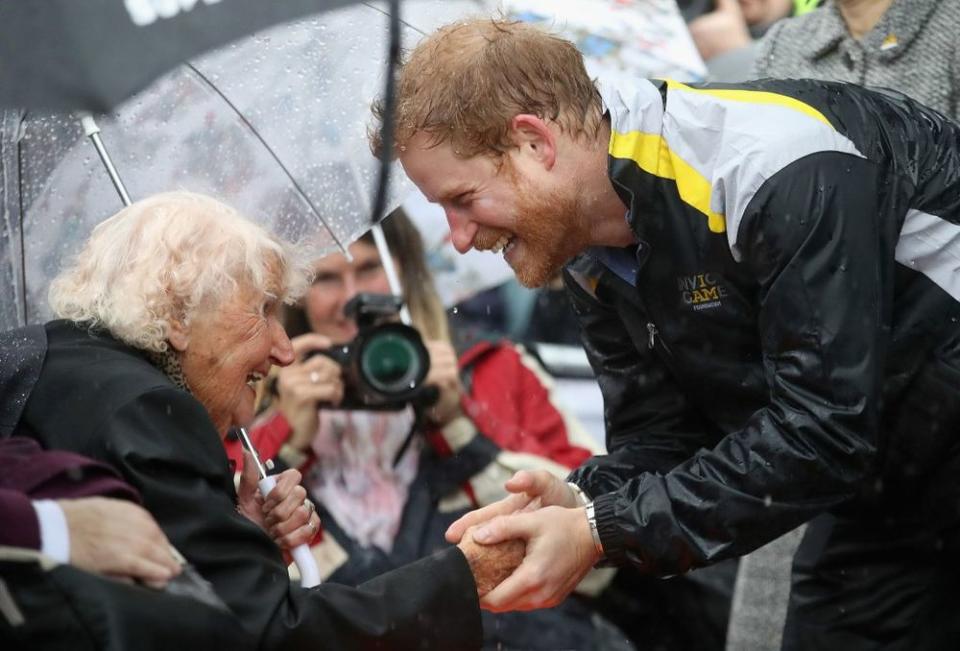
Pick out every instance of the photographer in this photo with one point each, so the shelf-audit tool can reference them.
(388, 482)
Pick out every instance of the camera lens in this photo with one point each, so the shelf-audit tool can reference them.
(390, 362)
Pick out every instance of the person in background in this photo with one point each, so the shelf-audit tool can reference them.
(168, 316)
(726, 36)
(905, 45)
(387, 484)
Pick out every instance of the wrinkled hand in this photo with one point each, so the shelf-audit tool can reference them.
(118, 538)
(491, 564)
(531, 490)
(559, 552)
(445, 375)
(301, 386)
(720, 30)
(286, 514)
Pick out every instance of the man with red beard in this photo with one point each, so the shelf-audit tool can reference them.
(767, 284)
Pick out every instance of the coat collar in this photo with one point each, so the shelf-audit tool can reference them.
(892, 35)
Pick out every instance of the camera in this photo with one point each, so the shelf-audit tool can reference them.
(385, 365)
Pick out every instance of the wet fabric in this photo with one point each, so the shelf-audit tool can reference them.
(790, 343)
(60, 607)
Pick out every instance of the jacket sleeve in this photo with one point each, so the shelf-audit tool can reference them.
(164, 443)
(817, 240)
(20, 527)
(650, 425)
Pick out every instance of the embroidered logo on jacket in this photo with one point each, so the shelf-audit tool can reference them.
(702, 291)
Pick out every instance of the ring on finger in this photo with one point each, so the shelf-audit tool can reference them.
(314, 377)
(310, 506)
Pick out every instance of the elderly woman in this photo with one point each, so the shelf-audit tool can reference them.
(168, 315)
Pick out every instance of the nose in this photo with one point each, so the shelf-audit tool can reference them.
(462, 231)
(281, 353)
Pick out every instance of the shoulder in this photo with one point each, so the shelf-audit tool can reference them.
(782, 51)
(111, 401)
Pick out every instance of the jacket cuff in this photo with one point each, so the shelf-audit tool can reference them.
(610, 535)
(21, 527)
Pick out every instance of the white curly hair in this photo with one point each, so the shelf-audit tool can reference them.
(164, 258)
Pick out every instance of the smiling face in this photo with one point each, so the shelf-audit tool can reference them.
(335, 283)
(516, 207)
(227, 348)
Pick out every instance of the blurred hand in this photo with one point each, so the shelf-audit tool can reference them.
(532, 489)
(286, 514)
(118, 538)
(559, 552)
(721, 30)
(304, 384)
(491, 564)
(445, 375)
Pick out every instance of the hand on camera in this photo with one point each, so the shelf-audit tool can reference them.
(304, 384)
(445, 375)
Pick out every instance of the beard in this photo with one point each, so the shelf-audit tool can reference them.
(550, 231)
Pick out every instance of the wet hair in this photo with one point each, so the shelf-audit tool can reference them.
(164, 259)
(466, 82)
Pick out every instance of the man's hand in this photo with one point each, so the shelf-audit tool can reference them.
(303, 385)
(531, 489)
(559, 553)
(118, 538)
(445, 375)
(721, 30)
(286, 514)
(491, 564)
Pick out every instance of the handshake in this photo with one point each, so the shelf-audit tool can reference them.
(530, 549)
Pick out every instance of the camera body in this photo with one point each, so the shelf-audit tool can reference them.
(385, 365)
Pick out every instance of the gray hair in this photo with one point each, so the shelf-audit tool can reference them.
(162, 259)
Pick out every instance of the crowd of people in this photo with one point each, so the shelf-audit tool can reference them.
(763, 275)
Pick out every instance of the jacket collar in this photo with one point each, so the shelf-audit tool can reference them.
(633, 108)
(892, 35)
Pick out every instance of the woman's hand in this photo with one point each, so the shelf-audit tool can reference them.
(286, 514)
(304, 384)
(445, 375)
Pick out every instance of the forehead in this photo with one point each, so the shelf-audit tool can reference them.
(362, 252)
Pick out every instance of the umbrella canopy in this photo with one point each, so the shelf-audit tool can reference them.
(275, 125)
(64, 54)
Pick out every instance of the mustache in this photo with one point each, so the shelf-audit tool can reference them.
(487, 237)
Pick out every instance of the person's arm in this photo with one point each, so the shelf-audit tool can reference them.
(164, 444)
(97, 534)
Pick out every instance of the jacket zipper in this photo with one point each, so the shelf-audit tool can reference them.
(652, 332)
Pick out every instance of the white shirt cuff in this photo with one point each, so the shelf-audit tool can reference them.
(54, 534)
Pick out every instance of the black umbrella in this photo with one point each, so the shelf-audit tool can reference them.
(65, 54)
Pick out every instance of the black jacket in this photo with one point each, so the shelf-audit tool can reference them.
(786, 334)
(98, 397)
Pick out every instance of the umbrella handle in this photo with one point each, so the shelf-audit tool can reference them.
(306, 563)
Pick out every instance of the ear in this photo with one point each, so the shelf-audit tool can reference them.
(178, 335)
(535, 139)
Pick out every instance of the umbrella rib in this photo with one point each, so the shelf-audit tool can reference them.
(23, 248)
(273, 154)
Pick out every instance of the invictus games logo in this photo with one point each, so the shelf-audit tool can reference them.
(702, 291)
